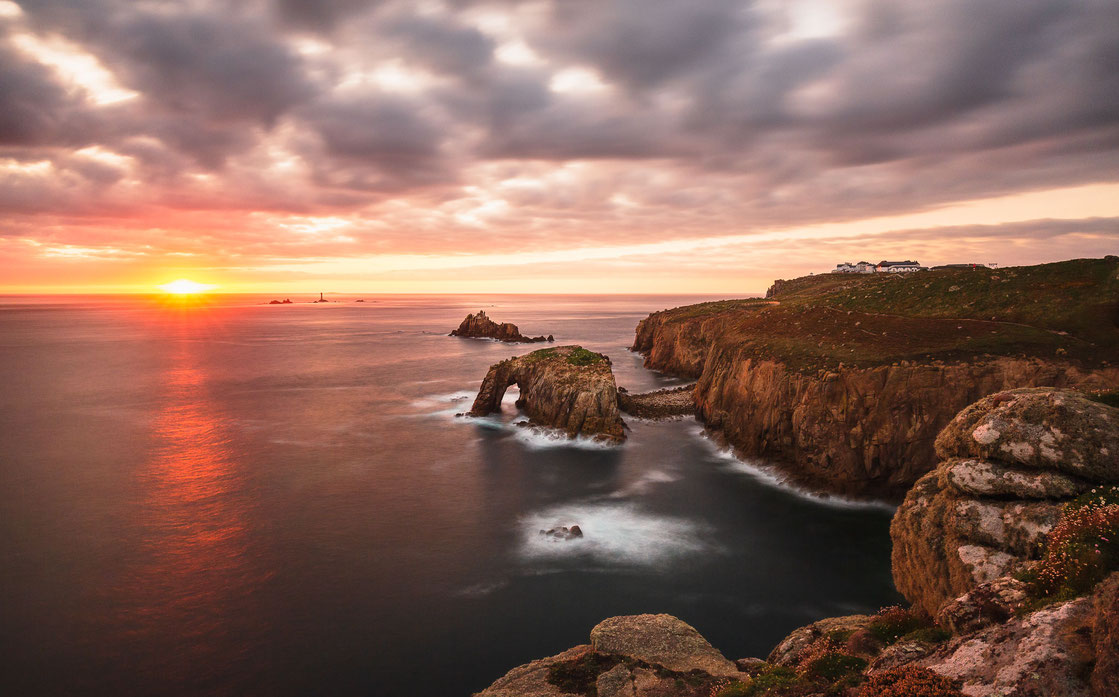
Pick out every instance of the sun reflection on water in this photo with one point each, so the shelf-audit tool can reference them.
(197, 576)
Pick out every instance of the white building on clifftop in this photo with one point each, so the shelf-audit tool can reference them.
(848, 267)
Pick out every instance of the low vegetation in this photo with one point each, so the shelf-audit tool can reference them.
(581, 356)
(1080, 551)
(833, 664)
(909, 682)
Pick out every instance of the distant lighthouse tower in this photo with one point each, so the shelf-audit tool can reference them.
(321, 298)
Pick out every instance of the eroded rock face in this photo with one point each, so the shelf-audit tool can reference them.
(854, 431)
(986, 509)
(566, 387)
(663, 640)
(480, 326)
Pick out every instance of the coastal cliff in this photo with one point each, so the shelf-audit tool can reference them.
(480, 326)
(845, 381)
(567, 387)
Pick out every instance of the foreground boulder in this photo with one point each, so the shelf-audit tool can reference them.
(630, 656)
(567, 387)
(1009, 463)
(480, 326)
(660, 639)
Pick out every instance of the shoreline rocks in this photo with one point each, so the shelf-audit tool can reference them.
(480, 326)
(659, 404)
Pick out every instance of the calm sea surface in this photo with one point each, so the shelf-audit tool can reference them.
(243, 499)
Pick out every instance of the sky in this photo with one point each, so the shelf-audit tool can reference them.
(552, 146)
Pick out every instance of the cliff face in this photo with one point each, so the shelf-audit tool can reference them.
(1010, 462)
(850, 400)
(567, 387)
(480, 326)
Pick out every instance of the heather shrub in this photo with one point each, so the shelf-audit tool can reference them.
(1080, 550)
(772, 681)
(820, 647)
(909, 681)
(892, 623)
(863, 642)
(929, 635)
(834, 666)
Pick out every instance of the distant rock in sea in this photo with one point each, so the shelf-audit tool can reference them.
(480, 326)
(285, 301)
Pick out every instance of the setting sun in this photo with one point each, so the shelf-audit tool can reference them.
(185, 287)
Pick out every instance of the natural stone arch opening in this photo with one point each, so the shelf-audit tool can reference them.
(566, 387)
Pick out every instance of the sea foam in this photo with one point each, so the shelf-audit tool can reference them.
(613, 534)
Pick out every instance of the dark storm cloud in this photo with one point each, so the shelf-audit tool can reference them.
(321, 15)
(644, 43)
(442, 46)
(377, 142)
(34, 108)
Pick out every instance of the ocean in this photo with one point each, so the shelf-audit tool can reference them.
(235, 498)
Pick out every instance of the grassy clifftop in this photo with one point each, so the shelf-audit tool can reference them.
(1067, 310)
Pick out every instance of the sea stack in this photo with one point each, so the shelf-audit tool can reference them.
(480, 326)
(567, 387)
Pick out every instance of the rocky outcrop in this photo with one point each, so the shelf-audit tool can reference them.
(660, 404)
(629, 656)
(480, 326)
(1046, 653)
(567, 387)
(1011, 461)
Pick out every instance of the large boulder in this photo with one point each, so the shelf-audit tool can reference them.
(629, 656)
(567, 387)
(1010, 463)
(1041, 428)
(663, 640)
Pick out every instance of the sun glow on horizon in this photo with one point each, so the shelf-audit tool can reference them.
(186, 287)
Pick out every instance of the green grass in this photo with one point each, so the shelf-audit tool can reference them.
(581, 356)
(1066, 311)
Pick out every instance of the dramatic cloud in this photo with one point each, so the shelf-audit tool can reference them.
(243, 139)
